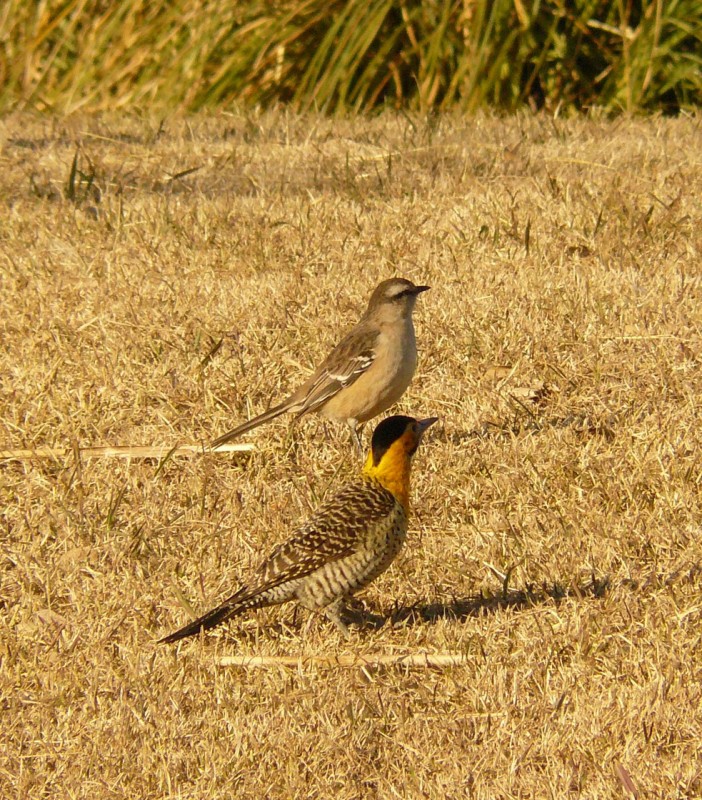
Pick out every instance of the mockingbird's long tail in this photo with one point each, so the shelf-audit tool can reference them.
(272, 413)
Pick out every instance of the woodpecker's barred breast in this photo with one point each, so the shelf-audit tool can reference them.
(360, 543)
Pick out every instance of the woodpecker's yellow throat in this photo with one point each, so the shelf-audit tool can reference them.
(389, 461)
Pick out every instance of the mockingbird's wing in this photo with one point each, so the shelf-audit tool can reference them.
(354, 354)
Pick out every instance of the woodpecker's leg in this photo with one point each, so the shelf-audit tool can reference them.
(308, 625)
(333, 613)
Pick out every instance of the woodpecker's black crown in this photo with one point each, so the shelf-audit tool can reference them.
(387, 432)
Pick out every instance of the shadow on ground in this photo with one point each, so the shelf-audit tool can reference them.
(534, 424)
(464, 608)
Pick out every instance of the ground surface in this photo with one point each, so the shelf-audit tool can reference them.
(560, 345)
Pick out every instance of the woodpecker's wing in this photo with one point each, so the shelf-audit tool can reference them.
(336, 531)
(345, 364)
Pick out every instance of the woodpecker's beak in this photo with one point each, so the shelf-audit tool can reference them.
(419, 289)
(423, 424)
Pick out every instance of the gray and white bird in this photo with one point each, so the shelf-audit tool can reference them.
(366, 373)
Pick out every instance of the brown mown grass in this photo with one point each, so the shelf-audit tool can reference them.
(148, 304)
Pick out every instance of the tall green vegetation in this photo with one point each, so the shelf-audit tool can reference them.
(347, 55)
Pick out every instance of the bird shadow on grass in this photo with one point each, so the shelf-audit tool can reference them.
(532, 595)
(461, 609)
(533, 424)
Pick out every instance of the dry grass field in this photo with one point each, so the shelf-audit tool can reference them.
(178, 278)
